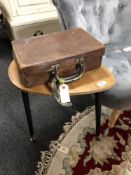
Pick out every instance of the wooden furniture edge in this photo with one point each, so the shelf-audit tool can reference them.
(76, 88)
(114, 117)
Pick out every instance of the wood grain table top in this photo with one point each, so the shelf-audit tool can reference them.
(93, 81)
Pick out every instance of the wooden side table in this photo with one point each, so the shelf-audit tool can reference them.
(94, 81)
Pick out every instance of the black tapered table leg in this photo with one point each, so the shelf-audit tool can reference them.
(26, 102)
(98, 114)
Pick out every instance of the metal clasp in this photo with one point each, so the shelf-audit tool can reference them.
(54, 68)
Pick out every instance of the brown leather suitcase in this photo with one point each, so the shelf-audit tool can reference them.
(39, 57)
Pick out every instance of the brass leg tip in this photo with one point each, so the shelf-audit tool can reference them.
(97, 138)
(110, 125)
(32, 139)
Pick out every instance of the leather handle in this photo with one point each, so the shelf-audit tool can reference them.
(56, 81)
(80, 70)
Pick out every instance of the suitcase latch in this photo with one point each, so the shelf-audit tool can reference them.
(54, 68)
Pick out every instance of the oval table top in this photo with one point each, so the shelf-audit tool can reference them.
(93, 81)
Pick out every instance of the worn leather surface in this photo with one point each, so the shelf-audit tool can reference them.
(108, 21)
(36, 56)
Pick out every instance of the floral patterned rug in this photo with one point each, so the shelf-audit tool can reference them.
(77, 152)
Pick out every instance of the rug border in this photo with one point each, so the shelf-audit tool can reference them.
(47, 156)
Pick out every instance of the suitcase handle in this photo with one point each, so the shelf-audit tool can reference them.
(80, 69)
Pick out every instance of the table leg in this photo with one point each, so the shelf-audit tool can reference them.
(98, 114)
(26, 102)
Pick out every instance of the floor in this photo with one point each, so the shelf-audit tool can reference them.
(18, 156)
